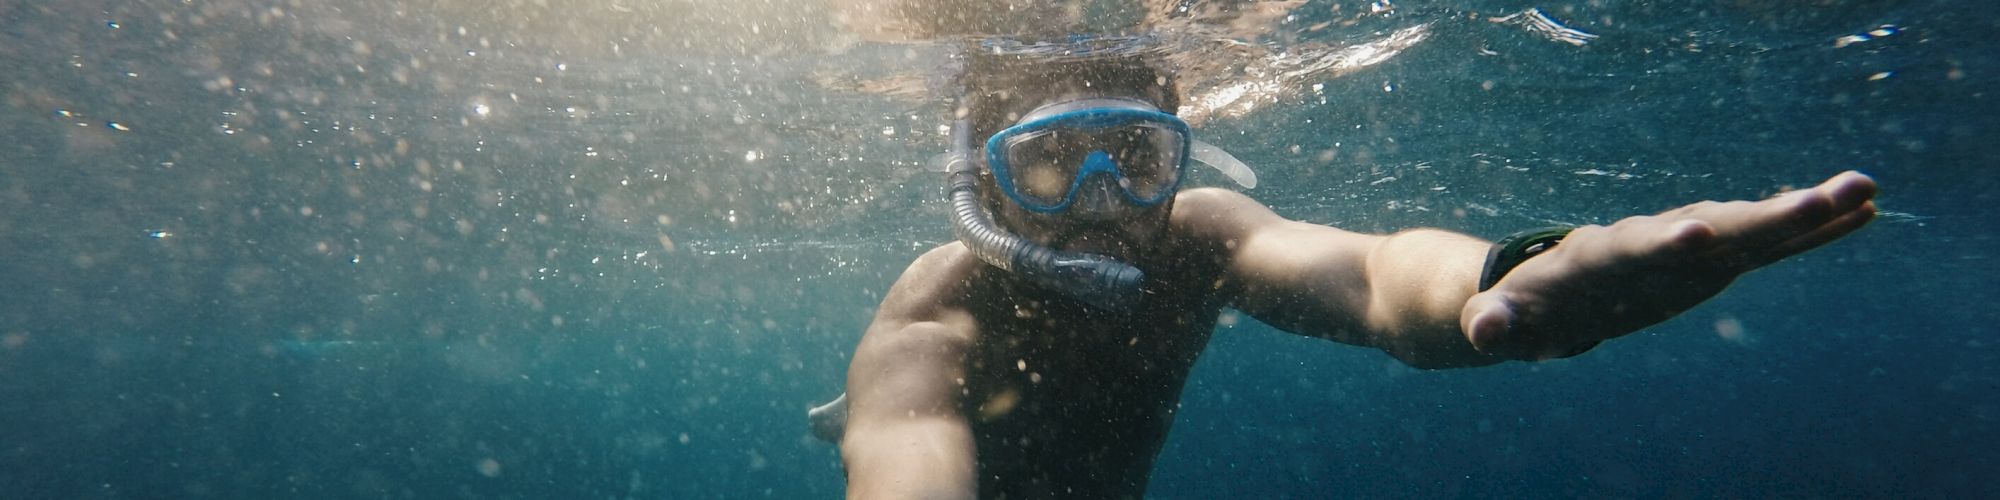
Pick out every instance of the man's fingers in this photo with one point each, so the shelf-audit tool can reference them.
(1491, 324)
(1790, 215)
(1814, 217)
(1487, 317)
(1751, 234)
(1684, 238)
(1849, 190)
(1839, 227)
(1794, 214)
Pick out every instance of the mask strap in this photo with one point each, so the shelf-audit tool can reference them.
(1207, 154)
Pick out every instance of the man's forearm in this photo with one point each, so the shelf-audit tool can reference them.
(918, 459)
(1418, 282)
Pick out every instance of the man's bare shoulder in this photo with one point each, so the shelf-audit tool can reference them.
(944, 257)
(934, 285)
(1218, 215)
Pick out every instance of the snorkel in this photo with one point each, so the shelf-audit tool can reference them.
(1097, 280)
(1100, 281)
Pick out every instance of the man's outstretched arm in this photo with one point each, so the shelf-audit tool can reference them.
(1400, 293)
(906, 435)
(1413, 294)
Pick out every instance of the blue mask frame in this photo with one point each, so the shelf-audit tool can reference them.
(1096, 162)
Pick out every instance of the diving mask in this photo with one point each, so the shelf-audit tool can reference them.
(1044, 161)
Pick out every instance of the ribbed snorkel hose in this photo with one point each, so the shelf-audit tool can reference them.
(1097, 280)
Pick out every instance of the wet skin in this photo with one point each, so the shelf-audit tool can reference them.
(971, 383)
(1059, 400)
(1069, 402)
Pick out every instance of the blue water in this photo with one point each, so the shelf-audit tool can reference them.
(361, 249)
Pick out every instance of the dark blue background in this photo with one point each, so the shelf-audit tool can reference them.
(371, 290)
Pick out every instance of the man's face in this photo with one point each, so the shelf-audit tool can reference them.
(1101, 221)
(1096, 174)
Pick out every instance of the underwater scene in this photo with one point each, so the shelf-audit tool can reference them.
(619, 248)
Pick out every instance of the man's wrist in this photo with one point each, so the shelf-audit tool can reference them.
(1516, 248)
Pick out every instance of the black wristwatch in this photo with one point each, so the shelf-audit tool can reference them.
(1516, 248)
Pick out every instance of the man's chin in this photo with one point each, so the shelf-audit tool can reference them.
(1123, 238)
(1117, 247)
(1108, 250)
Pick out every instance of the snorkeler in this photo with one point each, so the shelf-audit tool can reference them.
(1043, 354)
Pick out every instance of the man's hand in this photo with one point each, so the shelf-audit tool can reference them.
(1603, 282)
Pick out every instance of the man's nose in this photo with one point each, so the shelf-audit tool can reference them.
(1099, 194)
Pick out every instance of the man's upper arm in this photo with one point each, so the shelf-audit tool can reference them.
(1400, 293)
(1305, 278)
(906, 435)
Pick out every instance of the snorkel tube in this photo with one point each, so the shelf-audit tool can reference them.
(1097, 280)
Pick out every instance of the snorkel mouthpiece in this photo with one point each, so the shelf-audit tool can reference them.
(1100, 281)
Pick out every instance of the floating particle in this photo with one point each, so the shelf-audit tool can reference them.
(1730, 329)
(489, 468)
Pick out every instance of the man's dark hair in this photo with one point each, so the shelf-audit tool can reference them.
(998, 89)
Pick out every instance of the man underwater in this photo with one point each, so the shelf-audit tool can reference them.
(1043, 354)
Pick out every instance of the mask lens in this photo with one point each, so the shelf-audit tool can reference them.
(1044, 165)
(1045, 162)
(1148, 158)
